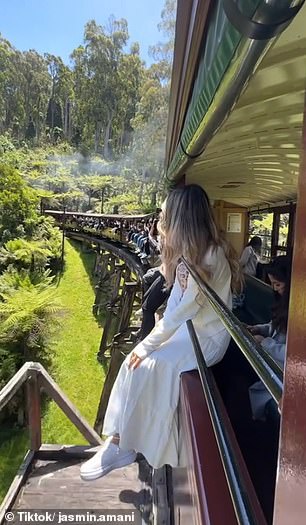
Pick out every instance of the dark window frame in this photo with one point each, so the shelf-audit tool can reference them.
(277, 212)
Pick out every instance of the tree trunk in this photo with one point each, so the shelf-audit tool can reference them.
(98, 136)
(37, 128)
(153, 198)
(102, 201)
(140, 195)
(122, 136)
(107, 134)
(65, 118)
(52, 113)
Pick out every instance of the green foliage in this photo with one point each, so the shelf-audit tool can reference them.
(26, 315)
(24, 254)
(7, 365)
(93, 103)
(17, 201)
(12, 279)
(125, 203)
(107, 102)
(107, 82)
(74, 359)
(264, 222)
(6, 144)
(48, 238)
(74, 363)
(29, 317)
(28, 304)
(36, 253)
(13, 447)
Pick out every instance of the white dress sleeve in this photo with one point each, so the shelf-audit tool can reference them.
(244, 259)
(176, 313)
(174, 297)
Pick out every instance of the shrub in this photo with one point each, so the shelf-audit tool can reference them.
(18, 202)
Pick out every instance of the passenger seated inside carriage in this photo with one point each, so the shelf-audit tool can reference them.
(253, 413)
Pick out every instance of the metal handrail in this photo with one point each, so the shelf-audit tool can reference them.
(263, 364)
(245, 512)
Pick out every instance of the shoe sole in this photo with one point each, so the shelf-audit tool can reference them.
(123, 462)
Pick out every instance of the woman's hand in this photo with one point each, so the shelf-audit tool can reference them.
(134, 361)
(259, 338)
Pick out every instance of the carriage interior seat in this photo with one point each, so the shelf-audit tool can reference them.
(258, 301)
(258, 440)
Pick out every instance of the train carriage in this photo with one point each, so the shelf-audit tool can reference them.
(237, 127)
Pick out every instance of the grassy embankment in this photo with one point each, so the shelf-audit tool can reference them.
(75, 367)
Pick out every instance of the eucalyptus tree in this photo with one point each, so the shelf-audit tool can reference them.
(59, 112)
(35, 87)
(106, 85)
(150, 121)
(6, 52)
(162, 52)
(131, 74)
(12, 109)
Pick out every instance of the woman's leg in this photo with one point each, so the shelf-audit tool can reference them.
(143, 404)
(149, 278)
(109, 457)
(154, 298)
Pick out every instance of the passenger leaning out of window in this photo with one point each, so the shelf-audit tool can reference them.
(272, 336)
(250, 256)
(142, 411)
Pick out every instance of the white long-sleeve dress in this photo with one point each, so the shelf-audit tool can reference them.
(143, 402)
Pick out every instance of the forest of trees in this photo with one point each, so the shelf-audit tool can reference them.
(88, 136)
(98, 102)
(93, 132)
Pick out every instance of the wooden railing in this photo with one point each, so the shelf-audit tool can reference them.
(36, 379)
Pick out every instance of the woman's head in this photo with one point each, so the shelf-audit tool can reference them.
(188, 229)
(279, 273)
(185, 211)
(277, 284)
(255, 243)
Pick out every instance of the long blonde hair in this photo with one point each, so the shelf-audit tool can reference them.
(187, 228)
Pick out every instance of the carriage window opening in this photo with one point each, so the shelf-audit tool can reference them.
(283, 231)
(261, 224)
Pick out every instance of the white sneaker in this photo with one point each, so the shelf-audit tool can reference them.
(108, 458)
